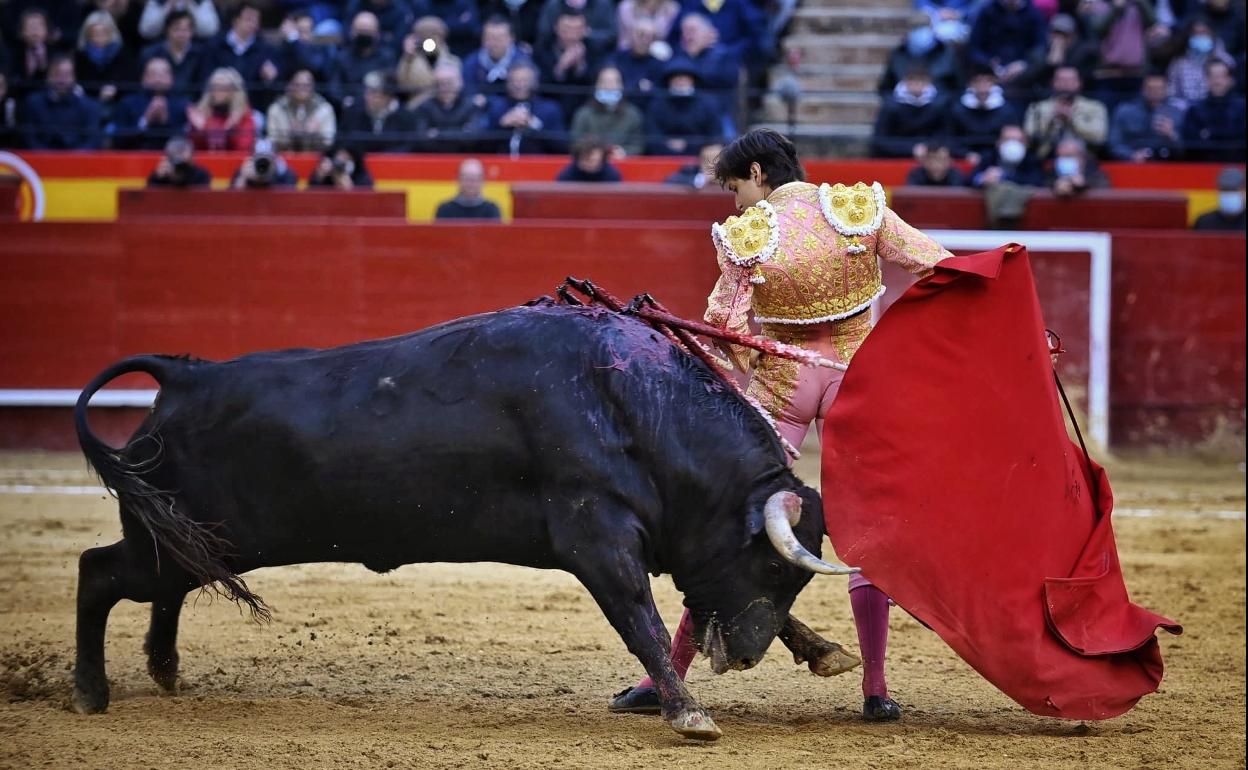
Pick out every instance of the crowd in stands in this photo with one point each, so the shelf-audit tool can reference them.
(512, 76)
(1122, 80)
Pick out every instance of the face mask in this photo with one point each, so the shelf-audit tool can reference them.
(363, 41)
(1200, 43)
(682, 90)
(1012, 151)
(948, 30)
(920, 41)
(608, 97)
(1066, 166)
(1231, 202)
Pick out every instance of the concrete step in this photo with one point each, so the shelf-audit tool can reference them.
(826, 140)
(835, 49)
(842, 108)
(830, 77)
(826, 21)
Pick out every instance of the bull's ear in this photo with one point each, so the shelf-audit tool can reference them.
(754, 523)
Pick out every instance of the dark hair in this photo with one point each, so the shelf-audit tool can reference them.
(56, 59)
(770, 149)
(1211, 62)
(585, 145)
(175, 16)
(498, 20)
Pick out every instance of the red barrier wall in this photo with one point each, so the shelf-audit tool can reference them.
(77, 296)
(163, 203)
(963, 209)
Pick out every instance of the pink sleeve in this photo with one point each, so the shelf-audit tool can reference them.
(903, 245)
(728, 307)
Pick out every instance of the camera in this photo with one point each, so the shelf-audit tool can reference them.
(263, 164)
(340, 166)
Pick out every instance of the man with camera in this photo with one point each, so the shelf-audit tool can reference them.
(264, 170)
(1066, 113)
(176, 169)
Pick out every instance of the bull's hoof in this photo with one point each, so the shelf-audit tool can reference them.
(89, 700)
(880, 709)
(636, 700)
(836, 660)
(165, 674)
(697, 725)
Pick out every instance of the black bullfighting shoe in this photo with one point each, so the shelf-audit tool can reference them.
(880, 709)
(636, 700)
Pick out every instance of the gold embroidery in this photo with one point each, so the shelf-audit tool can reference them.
(748, 233)
(774, 382)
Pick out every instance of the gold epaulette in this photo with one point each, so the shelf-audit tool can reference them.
(749, 239)
(853, 211)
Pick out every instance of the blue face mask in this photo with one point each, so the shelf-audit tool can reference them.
(920, 41)
(608, 97)
(1066, 166)
(1200, 43)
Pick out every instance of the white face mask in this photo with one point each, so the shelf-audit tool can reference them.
(1066, 166)
(1012, 151)
(1231, 202)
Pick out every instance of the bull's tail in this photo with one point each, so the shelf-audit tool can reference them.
(193, 545)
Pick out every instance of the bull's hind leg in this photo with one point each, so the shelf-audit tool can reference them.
(161, 643)
(105, 576)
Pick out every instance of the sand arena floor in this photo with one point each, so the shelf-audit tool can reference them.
(440, 666)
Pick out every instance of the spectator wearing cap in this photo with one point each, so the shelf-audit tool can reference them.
(58, 117)
(1213, 128)
(909, 117)
(680, 119)
(462, 19)
(641, 70)
(522, 122)
(600, 14)
(1066, 113)
(394, 18)
(301, 120)
(1229, 215)
(146, 120)
(921, 48)
(522, 15)
(570, 63)
(719, 66)
(424, 50)
(243, 50)
(1186, 73)
(976, 119)
(1073, 171)
(1005, 36)
(302, 50)
(659, 14)
(485, 70)
(188, 57)
(222, 119)
(591, 162)
(936, 169)
(364, 53)
(376, 123)
(1123, 27)
(103, 65)
(156, 14)
(449, 121)
(1147, 128)
(1065, 47)
(609, 117)
(469, 202)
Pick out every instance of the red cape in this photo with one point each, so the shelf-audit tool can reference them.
(949, 478)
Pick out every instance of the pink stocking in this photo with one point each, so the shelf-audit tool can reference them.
(870, 607)
(683, 651)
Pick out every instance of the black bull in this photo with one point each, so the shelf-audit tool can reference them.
(545, 436)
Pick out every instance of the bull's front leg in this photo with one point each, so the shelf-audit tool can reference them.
(824, 658)
(614, 574)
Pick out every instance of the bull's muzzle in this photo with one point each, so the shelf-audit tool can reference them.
(782, 511)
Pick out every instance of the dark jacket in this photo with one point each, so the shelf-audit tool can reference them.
(189, 74)
(481, 78)
(394, 20)
(642, 76)
(940, 63)
(574, 86)
(1006, 35)
(320, 60)
(692, 118)
(1213, 129)
(248, 63)
(551, 138)
(1132, 129)
(364, 133)
(69, 123)
(128, 130)
(973, 128)
(463, 22)
(900, 125)
(742, 26)
(443, 128)
(453, 209)
(1028, 172)
(573, 173)
(1213, 221)
(121, 71)
(718, 71)
(352, 65)
(918, 177)
(523, 19)
(196, 176)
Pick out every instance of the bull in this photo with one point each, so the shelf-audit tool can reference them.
(547, 436)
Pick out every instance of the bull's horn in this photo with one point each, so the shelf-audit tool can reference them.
(782, 511)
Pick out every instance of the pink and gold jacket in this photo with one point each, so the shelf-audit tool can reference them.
(808, 255)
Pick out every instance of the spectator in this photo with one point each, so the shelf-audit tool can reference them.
(424, 50)
(393, 18)
(909, 118)
(570, 63)
(659, 14)
(1229, 215)
(1005, 36)
(125, 15)
(1213, 128)
(1065, 48)
(1186, 74)
(1147, 128)
(1123, 28)
(463, 23)
(976, 120)
(590, 163)
(640, 69)
(244, 51)
(303, 50)
(609, 117)
(366, 53)
(102, 62)
(600, 14)
(302, 120)
(740, 27)
(449, 121)
(718, 66)
(485, 70)
(1073, 171)
(468, 202)
(951, 19)
(32, 52)
(264, 170)
(146, 120)
(1008, 174)
(341, 168)
(222, 118)
(376, 123)
(521, 15)
(695, 175)
(679, 118)
(156, 13)
(60, 21)
(521, 121)
(936, 169)
(920, 48)
(1066, 113)
(59, 118)
(188, 58)
(1226, 20)
(177, 169)
(9, 134)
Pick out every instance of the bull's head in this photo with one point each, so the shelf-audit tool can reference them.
(740, 610)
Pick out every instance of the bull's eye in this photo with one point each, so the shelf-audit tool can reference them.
(774, 569)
